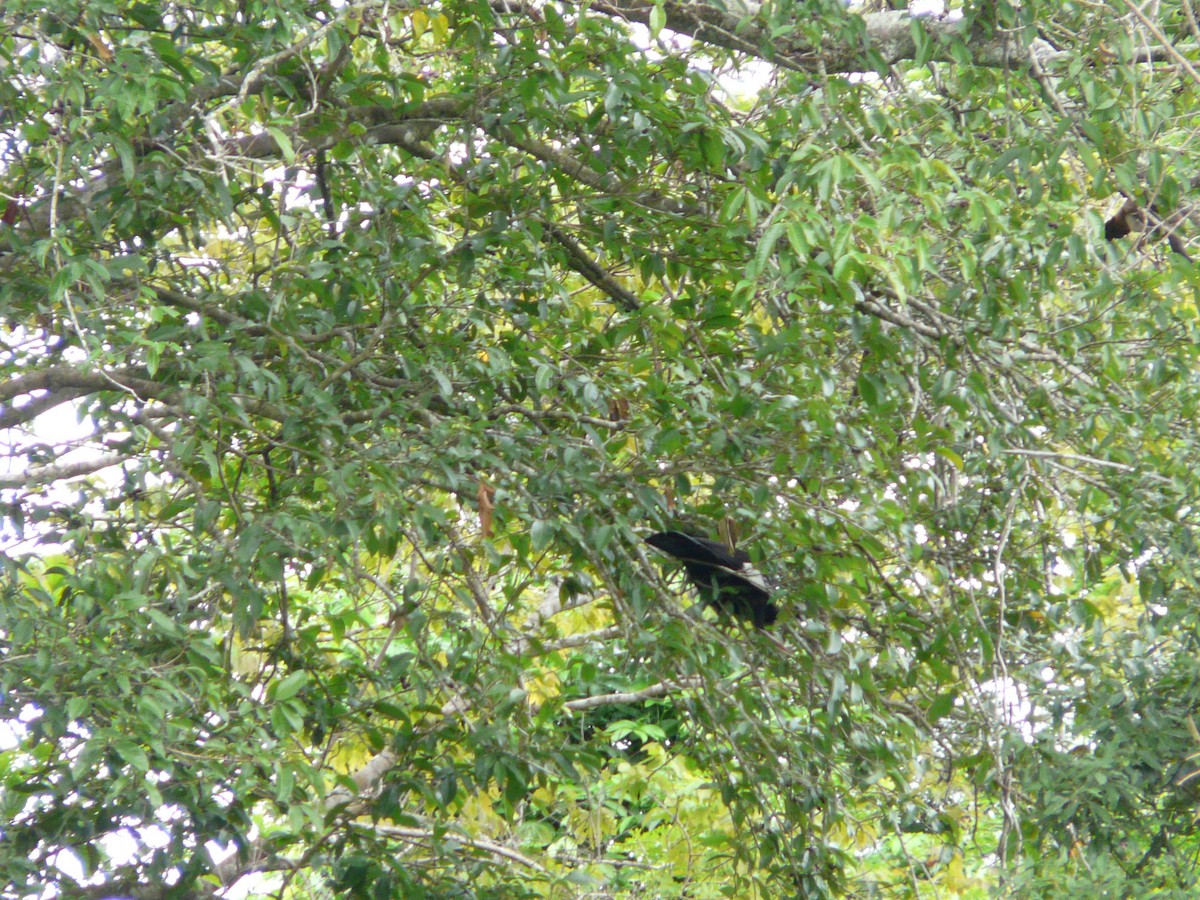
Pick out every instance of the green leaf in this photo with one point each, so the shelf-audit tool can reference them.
(658, 18)
(132, 754)
(541, 535)
(289, 686)
(286, 150)
(941, 706)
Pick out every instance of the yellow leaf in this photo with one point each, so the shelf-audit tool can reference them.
(441, 28)
(420, 23)
(102, 49)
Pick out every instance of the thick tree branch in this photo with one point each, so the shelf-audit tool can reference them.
(66, 383)
(16, 416)
(662, 689)
(583, 263)
(61, 471)
(888, 34)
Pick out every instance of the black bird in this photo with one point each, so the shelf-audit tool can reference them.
(724, 578)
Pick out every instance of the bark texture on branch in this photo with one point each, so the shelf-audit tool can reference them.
(889, 34)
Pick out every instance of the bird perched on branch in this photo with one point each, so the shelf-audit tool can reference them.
(1131, 219)
(723, 576)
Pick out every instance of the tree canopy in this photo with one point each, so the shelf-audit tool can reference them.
(350, 350)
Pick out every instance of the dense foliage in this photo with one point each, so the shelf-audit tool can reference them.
(350, 350)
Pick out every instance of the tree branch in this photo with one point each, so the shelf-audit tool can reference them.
(662, 689)
(582, 262)
(888, 34)
(62, 471)
(65, 383)
(421, 834)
